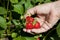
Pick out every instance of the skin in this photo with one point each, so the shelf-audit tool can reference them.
(48, 15)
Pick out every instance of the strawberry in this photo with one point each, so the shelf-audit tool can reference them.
(29, 25)
(37, 25)
(38, 38)
(29, 19)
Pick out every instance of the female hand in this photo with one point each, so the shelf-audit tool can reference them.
(47, 16)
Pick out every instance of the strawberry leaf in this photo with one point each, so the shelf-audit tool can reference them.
(30, 38)
(3, 10)
(3, 23)
(19, 38)
(58, 29)
(14, 1)
(18, 8)
(28, 5)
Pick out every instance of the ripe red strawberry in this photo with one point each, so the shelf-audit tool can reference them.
(38, 38)
(29, 25)
(29, 19)
(37, 25)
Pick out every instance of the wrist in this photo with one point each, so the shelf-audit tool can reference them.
(56, 6)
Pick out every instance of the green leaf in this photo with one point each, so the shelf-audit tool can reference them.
(22, 2)
(58, 29)
(19, 38)
(14, 35)
(36, 36)
(34, 1)
(28, 5)
(30, 38)
(2, 31)
(3, 10)
(15, 22)
(3, 22)
(47, 1)
(52, 38)
(18, 8)
(28, 0)
(39, 1)
(14, 1)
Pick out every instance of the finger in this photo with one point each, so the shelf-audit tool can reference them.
(24, 30)
(40, 9)
(37, 31)
(28, 31)
(43, 8)
(45, 26)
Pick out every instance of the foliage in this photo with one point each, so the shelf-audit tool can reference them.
(12, 21)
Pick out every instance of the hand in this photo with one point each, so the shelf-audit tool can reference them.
(47, 16)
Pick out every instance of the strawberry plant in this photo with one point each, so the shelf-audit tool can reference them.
(12, 21)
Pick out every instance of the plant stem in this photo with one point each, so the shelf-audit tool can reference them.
(7, 7)
(9, 17)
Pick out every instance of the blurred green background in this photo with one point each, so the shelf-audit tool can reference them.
(12, 21)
